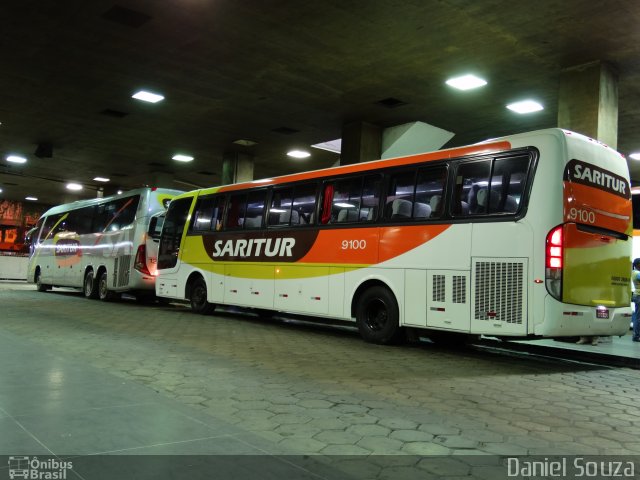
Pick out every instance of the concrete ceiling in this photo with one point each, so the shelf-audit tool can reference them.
(249, 69)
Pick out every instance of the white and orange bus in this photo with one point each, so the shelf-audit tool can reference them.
(524, 236)
(105, 246)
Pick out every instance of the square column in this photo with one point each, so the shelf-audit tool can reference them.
(236, 168)
(588, 101)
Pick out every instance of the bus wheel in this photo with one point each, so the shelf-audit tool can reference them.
(103, 291)
(198, 295)
(377, 316)
(41, 287)
(90, 288)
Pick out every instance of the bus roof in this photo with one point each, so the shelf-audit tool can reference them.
(97, 201)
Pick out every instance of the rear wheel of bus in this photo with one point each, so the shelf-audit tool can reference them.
(198, 297)
(377, 316)
(103, 288)
(90, 288)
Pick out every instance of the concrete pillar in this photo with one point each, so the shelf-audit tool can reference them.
(361, 142)
(236, 168)
(588, 101)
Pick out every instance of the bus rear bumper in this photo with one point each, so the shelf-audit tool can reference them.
(565, 320)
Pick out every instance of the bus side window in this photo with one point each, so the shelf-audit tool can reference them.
(304, 202)
(47, 228)
(280, 209)
(399, 199)
(429, 192)
(235, 213)
(346, 200)
(255, 209)
(203, 214)
(174, 225)
(370, 198)
(472, 182)
(509, 175)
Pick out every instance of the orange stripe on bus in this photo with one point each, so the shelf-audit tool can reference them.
(369, 246)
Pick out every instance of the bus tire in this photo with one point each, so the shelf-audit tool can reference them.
(198, 297)
(89, 287)
(377, 316)
(41, 287)
(104, 293)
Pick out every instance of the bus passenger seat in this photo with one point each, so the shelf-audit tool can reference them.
(289, 216)
(472, 198)
(401, 208)
(252, 222)
(421, 210)
(464, 208)
(435, 204)
(347, 215)
(511, 204)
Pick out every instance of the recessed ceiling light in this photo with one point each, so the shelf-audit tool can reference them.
(119, 192)
(298, 154)
(100, 179)
(182, 158)
(525, 106)
(147, 96)
(635, 156)
(466, 82)
(16, 159)
(0, 190)
(32, 199)
(74, 186)
(245, 143)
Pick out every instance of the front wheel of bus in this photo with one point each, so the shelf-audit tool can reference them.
(41, 287)
(377, 316)
(103, 291)
(198, 295)
(90, 289)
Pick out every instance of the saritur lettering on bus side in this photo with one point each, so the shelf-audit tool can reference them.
(273, 247)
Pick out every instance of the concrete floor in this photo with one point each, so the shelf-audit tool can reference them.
(81, 377)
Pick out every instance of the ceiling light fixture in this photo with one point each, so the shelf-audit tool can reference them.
(74, 186)
(245, 143)
(119, 192)
(525, 106)
(100, 179)
(466, 82)
(179, 157)
(298, 154)
(635, 155)
(147, 96)
(16, 159)
(31, 199)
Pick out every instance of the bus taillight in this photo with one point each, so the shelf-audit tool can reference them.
(141, 260)
(553, 262)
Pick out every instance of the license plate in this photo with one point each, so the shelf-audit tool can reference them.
(602, 313)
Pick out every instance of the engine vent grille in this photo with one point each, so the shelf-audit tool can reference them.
(438, 288)
(459, 290)
(123, 267)
(499, 291)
